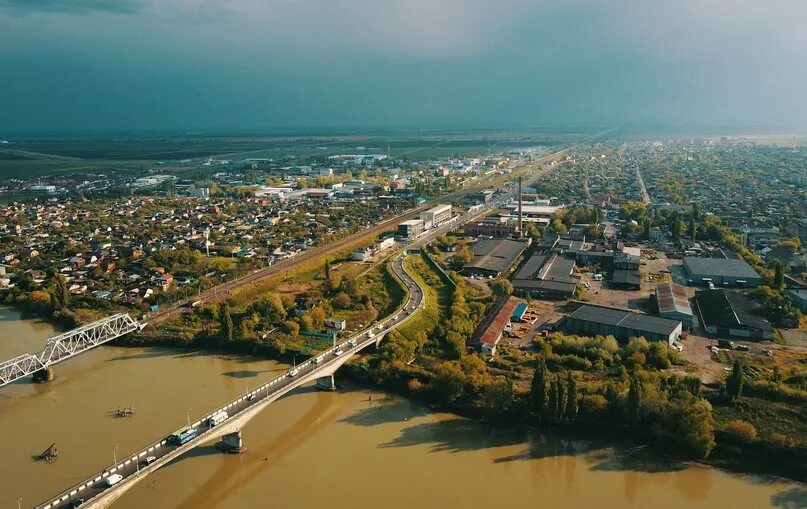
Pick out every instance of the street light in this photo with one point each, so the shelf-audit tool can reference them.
(115, 457)
(189, 417)
(19, 502)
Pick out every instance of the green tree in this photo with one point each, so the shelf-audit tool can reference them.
(778, 274)
(225, 322)
(501, 287)
(538, 389)
(532, 232)
(693, 229)
(634, 399)
(448, 382)
(696, 212)
(734, 383)
(571, 396)
(560, 408)
(61, 294)
(498, 398)
(553, 405)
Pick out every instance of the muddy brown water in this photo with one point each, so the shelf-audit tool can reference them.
(310, 449)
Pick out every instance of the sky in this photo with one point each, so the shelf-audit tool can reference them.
(95, 65)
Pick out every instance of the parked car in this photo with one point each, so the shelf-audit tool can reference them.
(743, 348)
(678, 347)
(725, 343)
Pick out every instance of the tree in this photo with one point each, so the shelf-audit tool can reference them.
(778, 274)
(61, 295)
(571, 396)
(448, 382)
(734, 383)
(538, 389)
(225, 321)
(696, 212)
(554, 400)
(634, 399)
(498, 398)
(532, 232)
(327, 269)
(693, 229)
(501, 286)
(560, 408)
(693, 425)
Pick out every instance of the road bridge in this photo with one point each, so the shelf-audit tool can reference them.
(65, 346)
(95, 491)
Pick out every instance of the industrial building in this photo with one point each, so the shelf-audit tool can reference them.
(489, 333)
(436, 216)
(721, 271)
(497, 227)
(626, 279)
(409, 230)
(673, 303)
(546, 276)
(730, 313)
(493, 257)
(592, 320)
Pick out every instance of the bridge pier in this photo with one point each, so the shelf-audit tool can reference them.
(326, 383)
(43, 375)
(231, 443)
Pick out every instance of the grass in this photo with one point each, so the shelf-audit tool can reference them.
(438, 299)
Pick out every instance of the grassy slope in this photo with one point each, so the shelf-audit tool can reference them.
(438, 299)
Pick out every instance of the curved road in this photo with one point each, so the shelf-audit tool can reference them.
(133, 468)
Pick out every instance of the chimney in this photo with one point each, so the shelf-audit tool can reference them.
(520, 230)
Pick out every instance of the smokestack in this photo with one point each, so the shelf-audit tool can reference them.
(520, 230)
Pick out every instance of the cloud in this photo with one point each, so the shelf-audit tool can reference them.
(72, 6)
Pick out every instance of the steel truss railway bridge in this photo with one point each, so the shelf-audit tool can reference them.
(64, 346)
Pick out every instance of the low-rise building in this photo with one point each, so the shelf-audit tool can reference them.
(436, 216)
(730, 313)
(721, 271)
(546, 276)
(493, 257)
(623, 324)
(673, 303)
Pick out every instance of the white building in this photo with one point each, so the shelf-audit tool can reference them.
(436, 216)
(409, 230)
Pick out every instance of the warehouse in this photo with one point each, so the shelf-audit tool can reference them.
(493, 257)
(623, 324)
(730, 313)
(721, 271)
(547, 276)
(489, 333)
(626, 279)
(673, 303)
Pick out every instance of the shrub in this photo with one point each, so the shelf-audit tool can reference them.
(783, 440)
(742, 430)
(569, 362)
(593, 404)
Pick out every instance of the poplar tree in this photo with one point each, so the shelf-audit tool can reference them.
(226, 322)
(538, 389)
(571, 398)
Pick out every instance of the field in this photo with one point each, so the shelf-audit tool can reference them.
(32, 156)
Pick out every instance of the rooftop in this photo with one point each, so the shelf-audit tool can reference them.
(720, 267)
(729, 308)
(625, 319)
(495, 255)
(672, 298)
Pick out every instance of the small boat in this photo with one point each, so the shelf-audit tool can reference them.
(50, 453)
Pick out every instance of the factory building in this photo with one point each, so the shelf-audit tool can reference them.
(730, 313)
(673, 303)
(493, 257)
(721, 271)
(592, 320)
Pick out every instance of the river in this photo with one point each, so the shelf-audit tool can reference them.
(342, 449)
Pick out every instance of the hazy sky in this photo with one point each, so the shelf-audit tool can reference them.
(140, 64)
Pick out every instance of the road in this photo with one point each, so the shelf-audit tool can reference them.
(133, 468)
(645, 196)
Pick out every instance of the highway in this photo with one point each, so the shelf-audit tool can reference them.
(89, 493)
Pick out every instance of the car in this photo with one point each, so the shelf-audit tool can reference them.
(317, 360)
(77, 502)
(113, 479)
(743, 348)
(337, 352)
(148, 460)
(352, 342)
(714, 349)
(725, 343)
(291, 373)
(769, 353)
(678, 347)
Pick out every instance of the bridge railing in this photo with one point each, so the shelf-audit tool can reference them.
(274, 383)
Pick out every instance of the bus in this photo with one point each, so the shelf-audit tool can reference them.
(182, 435)
(217, 418)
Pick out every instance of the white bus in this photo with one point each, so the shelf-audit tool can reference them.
(217, 418)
